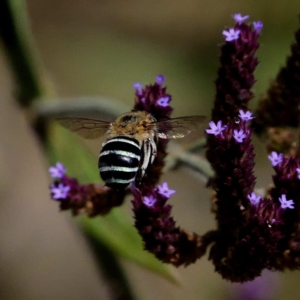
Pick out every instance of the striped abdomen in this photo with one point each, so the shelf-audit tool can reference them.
(119, 162)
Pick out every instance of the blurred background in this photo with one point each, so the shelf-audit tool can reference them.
(99, 48)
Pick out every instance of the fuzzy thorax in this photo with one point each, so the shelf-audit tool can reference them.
(139, 125)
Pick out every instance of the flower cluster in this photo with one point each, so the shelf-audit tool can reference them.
(254, 232)
(153, 98)
(238, 62)
(92, 199)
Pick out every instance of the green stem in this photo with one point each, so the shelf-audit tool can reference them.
(29, 78)
(19, 47)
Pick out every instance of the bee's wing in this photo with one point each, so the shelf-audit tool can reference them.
(87, 128)
(180, 127)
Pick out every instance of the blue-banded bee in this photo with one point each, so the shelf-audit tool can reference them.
(130, 146)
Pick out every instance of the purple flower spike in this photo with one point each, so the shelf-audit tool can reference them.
(298, 171)
(239, 18)
(138, 88)
(149, 201)
(164, 190)
(164, 101)
(254, 199)
(58, 171)
(239, 135)
(215, 129)
(286, 203)
(245, 116)
(231, 34)
(275, 158)
(258, 26)
(60, 192)
(160, 79)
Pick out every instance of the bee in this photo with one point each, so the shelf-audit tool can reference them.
(131, 142)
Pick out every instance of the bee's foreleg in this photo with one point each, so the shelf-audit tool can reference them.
(148, 155)
(153, 150)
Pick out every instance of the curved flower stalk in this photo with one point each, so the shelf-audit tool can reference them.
(154, 222)
(167, 242)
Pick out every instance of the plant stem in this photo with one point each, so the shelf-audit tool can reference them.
(19, 47)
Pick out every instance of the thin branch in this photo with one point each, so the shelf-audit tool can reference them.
(105, 109)
(179, 155)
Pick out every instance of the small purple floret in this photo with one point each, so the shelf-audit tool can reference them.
(275, 158)
(254, 199)
(160, 79)
(231, 34)
(239, 18)
(149, 201)
(258, 26)
(245, 116)
(58, 171)
(215, 129)
(59, 192)
(239, 135)
(286, 203)
(164, 101)
(298, 171)
(138, 88)
(164, 190)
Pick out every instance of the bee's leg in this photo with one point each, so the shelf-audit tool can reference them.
(145, 160)
(153, 150)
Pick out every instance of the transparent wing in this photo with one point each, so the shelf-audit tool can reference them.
(180, 127)
(87, 128)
